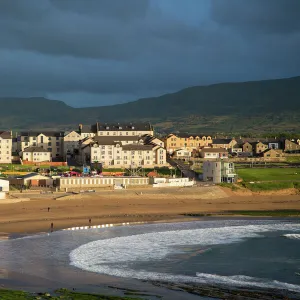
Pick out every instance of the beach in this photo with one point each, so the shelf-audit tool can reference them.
(27, 212)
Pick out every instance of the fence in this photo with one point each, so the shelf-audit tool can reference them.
(45, 163)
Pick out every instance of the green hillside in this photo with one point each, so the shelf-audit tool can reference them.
(270, 105)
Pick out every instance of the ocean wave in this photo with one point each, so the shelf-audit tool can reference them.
(293, 236)
(247, 281)
(116, 255)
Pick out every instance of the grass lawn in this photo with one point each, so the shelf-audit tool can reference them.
(270, 186)
(61, 294)
(269, 174)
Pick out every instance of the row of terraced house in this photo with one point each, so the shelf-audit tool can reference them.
(131, 144)
(208, 147)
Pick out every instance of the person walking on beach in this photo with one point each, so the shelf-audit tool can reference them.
(52, 227)
(48, 209)
(90, 222)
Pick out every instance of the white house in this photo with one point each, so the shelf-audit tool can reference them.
(219, 171)
(4, 185)
(36, 154)
(213, 153)
(5, 147)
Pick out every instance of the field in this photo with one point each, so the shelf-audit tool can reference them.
(269, 174)
(61, 294)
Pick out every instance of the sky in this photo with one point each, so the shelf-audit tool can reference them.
(103, 52)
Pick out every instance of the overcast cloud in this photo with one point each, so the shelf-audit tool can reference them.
(101, 52)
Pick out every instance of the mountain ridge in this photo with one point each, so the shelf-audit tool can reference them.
(274, 104)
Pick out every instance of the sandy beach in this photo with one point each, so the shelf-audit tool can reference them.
(28, 212)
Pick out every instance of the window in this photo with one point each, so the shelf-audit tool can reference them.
(57, 150)
(126, 133)
(49, 144)
(101, 133)
(49, 149)
(57, 138)
(107, 133)
(57, 143)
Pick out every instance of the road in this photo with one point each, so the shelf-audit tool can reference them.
(184, 168)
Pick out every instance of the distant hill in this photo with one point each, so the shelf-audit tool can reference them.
(269, 105)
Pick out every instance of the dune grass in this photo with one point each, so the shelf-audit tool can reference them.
(271, 213)
(270, 186)
(61, 294)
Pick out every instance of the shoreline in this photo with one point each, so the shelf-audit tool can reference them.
(136, 205)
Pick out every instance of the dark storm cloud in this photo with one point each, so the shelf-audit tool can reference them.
(103, 51)
(265, 16)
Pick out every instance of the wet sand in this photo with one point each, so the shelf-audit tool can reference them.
(133, 205)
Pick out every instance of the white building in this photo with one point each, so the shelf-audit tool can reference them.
(87, 131)
(213, 153)
(36, 154)
(123, 152)
(219, 171)
(52, 141)
(71, 143)
(182, 154)
(5, 147)
(124, 129)
(4, 185)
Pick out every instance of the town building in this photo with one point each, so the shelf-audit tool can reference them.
(52, 141)
(223, 143)
(87, 131)
(259, 147)
(123, 129)
(291, 145)
(4, 185)
(123, 152)
(219, 171)
(71, 143)
(272, 153)
(213, 153)
(36, 154)
(188, 142)
(31, 180)
(181, 154)
(5, 147)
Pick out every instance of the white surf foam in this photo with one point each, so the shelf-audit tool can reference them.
(114, 256)
(293, 236)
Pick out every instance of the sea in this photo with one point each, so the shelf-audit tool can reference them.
(252, 254)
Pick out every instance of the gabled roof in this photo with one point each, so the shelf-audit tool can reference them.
(87, 128)
(221, 141)
(35, 149)
(5, 134)
(76, 131)
(46, 133)
(32, 175)
(214, 150)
